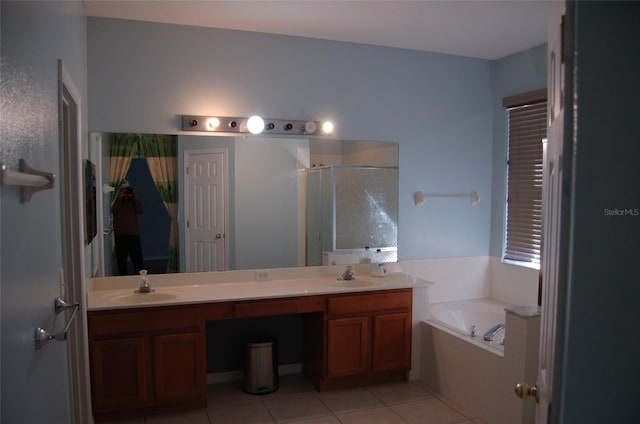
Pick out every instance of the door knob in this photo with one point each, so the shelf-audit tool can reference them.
(523, 390)
(219, 236)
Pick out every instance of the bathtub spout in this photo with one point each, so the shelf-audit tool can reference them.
(490, 333)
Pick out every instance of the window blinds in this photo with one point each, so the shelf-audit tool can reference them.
(527, 128)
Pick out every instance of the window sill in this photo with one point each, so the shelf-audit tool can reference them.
(530, 265)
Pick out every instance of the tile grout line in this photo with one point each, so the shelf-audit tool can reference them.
(450, 404)
(264, 405)
(430, 394)
(327, 406)
(386, 405)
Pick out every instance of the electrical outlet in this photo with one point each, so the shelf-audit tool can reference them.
(262, 276)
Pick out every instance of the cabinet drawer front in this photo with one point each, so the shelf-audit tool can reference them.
(266, 308)
(215, 311)
(370, 302)
(296, 305)
(135, 321)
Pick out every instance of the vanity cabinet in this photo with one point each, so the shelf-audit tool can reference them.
(153, 359)
(143, 359)
(368, 338)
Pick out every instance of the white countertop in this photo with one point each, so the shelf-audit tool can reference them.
(208, 287)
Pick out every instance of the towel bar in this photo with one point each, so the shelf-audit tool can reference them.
(30, 179)
(42, 336)
(420, 197)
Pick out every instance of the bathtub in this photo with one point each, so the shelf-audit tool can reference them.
(476, 375)
(459, 317)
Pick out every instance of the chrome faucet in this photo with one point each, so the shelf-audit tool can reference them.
(473, 331)
(490, 333)
(348, 274)
(144, 286)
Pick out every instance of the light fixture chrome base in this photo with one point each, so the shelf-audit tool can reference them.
(231, 124)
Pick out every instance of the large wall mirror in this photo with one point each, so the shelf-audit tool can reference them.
(248, 202)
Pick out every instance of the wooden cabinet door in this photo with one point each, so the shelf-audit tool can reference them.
(119, 368)
(348, 343)
(391, 342)
(179, 368)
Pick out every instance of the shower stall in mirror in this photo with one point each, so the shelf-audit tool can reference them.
(350, 209)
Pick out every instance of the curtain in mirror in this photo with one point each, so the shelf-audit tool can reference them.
(160, 152)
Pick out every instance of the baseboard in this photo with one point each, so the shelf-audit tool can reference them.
(229, 376)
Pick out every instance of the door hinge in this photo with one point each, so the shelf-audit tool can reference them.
(187, 223)
(187, 170)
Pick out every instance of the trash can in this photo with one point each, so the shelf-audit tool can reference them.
(261, 366)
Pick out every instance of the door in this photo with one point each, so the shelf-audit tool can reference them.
(554, 248)
(74, 209)
(99, 150)
(101, 248)
(205, 210)
(42, 250)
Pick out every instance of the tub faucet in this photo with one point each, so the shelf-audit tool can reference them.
(490, 333)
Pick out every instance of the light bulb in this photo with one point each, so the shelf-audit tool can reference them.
(255, 124)
(213, 123)
(310, 127)
(327, 127)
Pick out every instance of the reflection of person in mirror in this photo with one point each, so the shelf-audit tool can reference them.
(125, 209)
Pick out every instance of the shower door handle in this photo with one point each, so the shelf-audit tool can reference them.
(523, 390)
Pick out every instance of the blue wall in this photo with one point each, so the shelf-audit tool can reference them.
(143, 76)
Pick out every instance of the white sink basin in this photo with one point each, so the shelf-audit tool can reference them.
(132, 298)
(357, 283)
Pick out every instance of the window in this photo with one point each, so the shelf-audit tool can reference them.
(527, 127)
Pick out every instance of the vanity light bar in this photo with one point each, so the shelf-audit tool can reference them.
(230, 124)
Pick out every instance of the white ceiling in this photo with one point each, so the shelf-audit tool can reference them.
(474, 28)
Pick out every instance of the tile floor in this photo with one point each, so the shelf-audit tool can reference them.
(297, 401)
